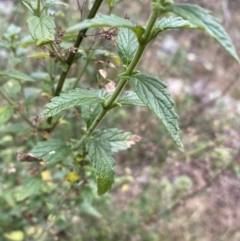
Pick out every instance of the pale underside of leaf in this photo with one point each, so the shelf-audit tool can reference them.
(153, 93)
(205, 21)
(118, 139)
(107, 21)
(77, 97)
(100, 155)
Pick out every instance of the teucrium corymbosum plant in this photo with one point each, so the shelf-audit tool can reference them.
(147, 90)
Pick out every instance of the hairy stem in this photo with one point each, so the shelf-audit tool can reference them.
(107, 106)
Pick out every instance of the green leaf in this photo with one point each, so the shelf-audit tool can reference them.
(153, 93)
(118, 139)
(87, 208)
(107, 21)
(7, 196)
(5, 114)
(77, 97)
(204, 20)
(4, 44)
(130, 98)
(12, 87)
(26, 41)
(16, 75)
(12, 31)
(50, 3)
(40, 76)
(51, 151)
(29, 5)
(42, 29)
(127, 45)
(39, 55)
(168, 24)
(32, 186)
(100, 154)
(113, 3)
(90, 112)
(14, 61)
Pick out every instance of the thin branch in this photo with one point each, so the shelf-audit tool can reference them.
(77, 43)
(7, 99)
(11, 102)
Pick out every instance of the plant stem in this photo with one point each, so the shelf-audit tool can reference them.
(77, 43)
(38, 7)
(71, 57)
(106, 107)
(11, 102)
(7, 99)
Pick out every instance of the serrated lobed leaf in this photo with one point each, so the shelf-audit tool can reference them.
(100, 155)
(153, 93)
(77, 97)
(205, 21)
(107, 21)
(42, 29)
(16, 75)
(170, 23)
(5, 114)
(130, 98)
(127, 43)
(51, 151)
(118, 139)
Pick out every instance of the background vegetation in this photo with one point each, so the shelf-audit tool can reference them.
(159, 193)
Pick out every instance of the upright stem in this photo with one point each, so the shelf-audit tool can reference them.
(71, 57)
(142, 45)
(38, 7)
(77, 43)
